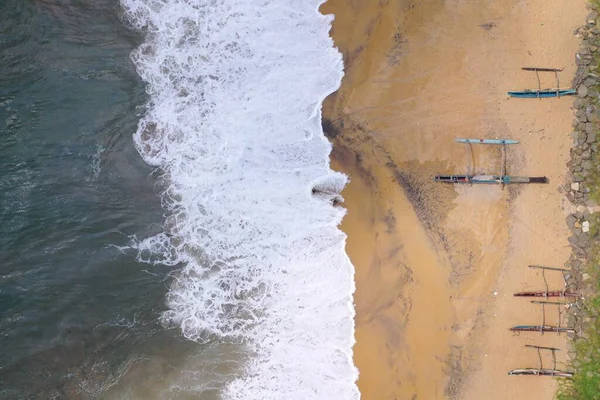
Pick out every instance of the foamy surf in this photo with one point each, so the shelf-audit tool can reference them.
(234, 125)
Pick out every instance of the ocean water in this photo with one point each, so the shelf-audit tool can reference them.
(169, 217)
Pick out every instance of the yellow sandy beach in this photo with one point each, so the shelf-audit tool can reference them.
(437, 265)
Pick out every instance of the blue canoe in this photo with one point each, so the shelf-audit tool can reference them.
(488, 141)
(536, 94)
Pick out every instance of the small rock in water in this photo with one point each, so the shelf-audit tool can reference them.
(585, 226)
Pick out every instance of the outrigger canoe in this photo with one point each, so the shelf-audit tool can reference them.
(537, 94)
(541, 328)
(488, 141)
(490, 179)
(554, 293)
(541, 372)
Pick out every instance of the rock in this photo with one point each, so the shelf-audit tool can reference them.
(587, 165)
(578, 178)
(578, 103)
(589, 82)
(571, 220)
(591, 136)
(584, 51)
(575, 186)
(585, 226)
(589, 129)
(585, 277)
(592, 16)
(582, 91)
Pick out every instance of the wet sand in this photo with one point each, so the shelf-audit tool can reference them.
(436, 265)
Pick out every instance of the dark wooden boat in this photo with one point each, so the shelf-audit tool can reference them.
(554, 293)
(541, 328)
(541, 372)
(489, 179)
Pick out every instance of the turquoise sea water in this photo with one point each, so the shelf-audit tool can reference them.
(75, 312)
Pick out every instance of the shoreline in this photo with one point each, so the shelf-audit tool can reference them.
(436, 265)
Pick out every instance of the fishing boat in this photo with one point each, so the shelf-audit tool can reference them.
(489, 179)
(541, 372)
(487, 141)
(541, 94)
(554, 293)
(541, 328)
(501, 179)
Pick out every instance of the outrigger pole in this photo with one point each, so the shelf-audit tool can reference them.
(541, 371)
(501, 179)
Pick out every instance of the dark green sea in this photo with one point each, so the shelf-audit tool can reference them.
(76, 313)
(168, 214)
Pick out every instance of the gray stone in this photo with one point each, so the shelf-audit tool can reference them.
(578, 103)
(590, 82)
(582, 91)
(571, 221)
(591, 137)
(575, 186)
(589, 128)
(586, 154)
(578, 178)
(587, 165)
(584, 51)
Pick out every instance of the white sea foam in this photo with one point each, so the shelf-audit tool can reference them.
(234, 122)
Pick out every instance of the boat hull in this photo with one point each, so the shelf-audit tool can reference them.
(537, 94)
(541, 372)
(489, 179)
(534, 328)
(488, 141)
(547, 294)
